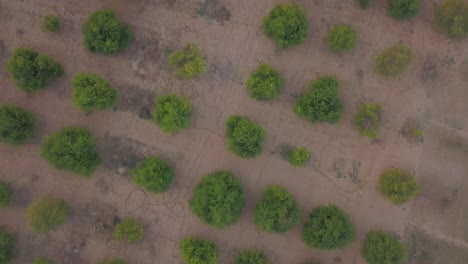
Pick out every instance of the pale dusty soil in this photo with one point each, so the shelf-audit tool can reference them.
(345, 165)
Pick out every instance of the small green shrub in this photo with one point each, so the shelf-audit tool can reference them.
(299, 156)
(403, 9)
(393, 61)
(153, 174)
(105, 34)
(172, 112)
(251, 257)
(368, 119)
(382, 247)
(341, 38)
(286, 24)
(189, 61)
(265, 83)
(40, 260)
(451, 18)
(322, 103)
(91, 93)
(7, 244)
(51, 23)
(16, 125)
(5, 194)
(114, 261)
(31, 70)
(46, 214)
(365, 3)
(398, 186)
(277, 211)
(129, 229)
(218, 200)
(243, 137)
(73, 149)
(328, 227)
(198, 251)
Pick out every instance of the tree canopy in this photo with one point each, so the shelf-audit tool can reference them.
(91, 93)
(398, 186)
(16, 125)
(153, 174)
(251, 257)
(368, 119)
(341, 38)
(286, 24)
(46, 214)
(172, 112)
(244, 137)
(381, 247)
(7, 244)
(451, 18)
(189, 61)
(265, 83)
(198, 251)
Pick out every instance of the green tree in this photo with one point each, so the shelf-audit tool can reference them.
(243, 137)
(198, 251)
(403, 9)
(46, 214)
(5, 194)
(328, 227)
(51, 23)
(393, 61)
(451, 18)
(286, 24)
(368, 119)
(218, 200)
(277, 211)
(398, 186)
(322, 103)
(129, 229)
(299, 156)
(72, 149)
(105, 34)
(153, 174)
(382, 247)
(16, 125)
(31, 70)
(341, 38)
(365, 3)
(251, 257)
(265, 83)
(172, 112)
(40, 260)
(189, 61)
(114, 261)
(92, 93)
(7, 244)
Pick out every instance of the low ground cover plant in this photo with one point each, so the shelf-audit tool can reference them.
(398, 186)
(198, 251)
(92, 93)
(153, 174)
(276, 211)
(40, 260)
(322, 103)
(104, 33)
(265, 83)
(51, 23)
(16, 125)
(72, 149)
(31, 70)
(5, 194)
(328, 227)
(243, 137)
(251, 257)
(172, 112)
(412, 131)
(299, 156)
(382, 247)
(341, 38)
(7, 244)
(218, 200)
(403, 9)
(393, 61)
(46, 214)
(130, 230)
(286, 24)
(451, 17)
(188, 61)
(368, 119)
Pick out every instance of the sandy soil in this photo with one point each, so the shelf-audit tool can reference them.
(345, 165)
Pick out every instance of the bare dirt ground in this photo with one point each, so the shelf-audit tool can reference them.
(345, 166)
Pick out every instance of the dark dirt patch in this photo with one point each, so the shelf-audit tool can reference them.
(120, 154)
(213, 9)
(137, 101)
